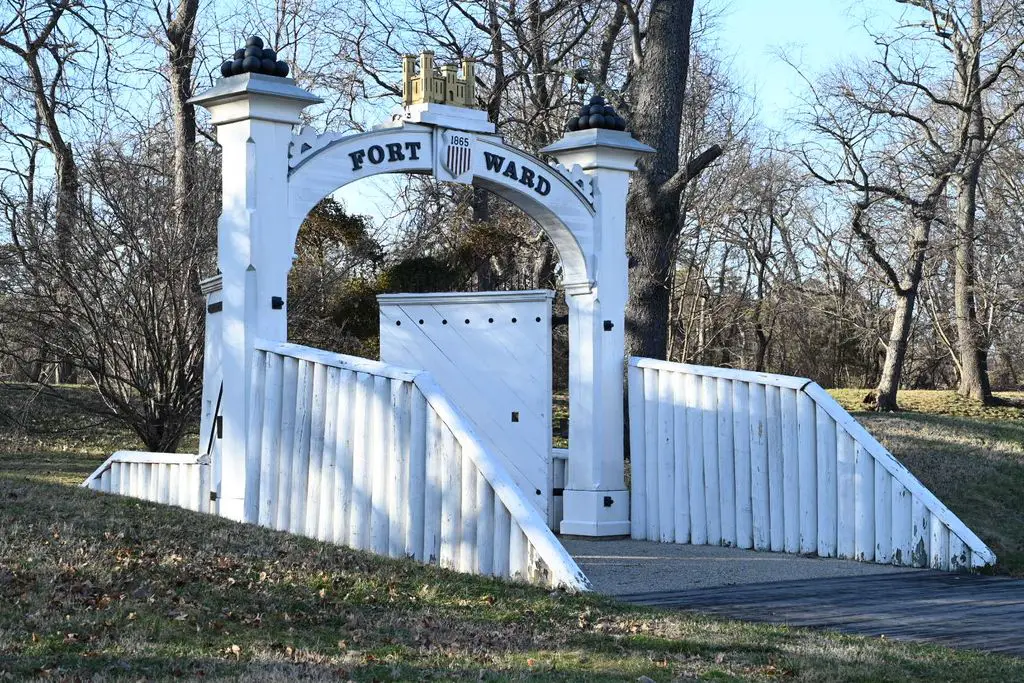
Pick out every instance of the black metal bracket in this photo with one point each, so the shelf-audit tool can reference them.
(215, 307)
(608, 325)
(276, 302)
(213, 495)
(608, 502)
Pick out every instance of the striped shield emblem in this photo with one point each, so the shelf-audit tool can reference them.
(458, 153)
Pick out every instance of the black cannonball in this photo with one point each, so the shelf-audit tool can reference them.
(239, 54)
(609, 110)
(251, 64)
(236, 67)
(584, 111)
(225, 68)
(596, 121)
(620, 123)
(281, 69)
(269, 54)
(254, 41)
(573, 124)
(256, 52)
(268, 66)
(597, 99)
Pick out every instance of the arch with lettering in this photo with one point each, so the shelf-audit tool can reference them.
(321, 164)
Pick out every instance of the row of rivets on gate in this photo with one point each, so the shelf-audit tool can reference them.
(444, 321)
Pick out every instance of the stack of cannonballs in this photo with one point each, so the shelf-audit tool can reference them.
(254, 59)
(597, 114)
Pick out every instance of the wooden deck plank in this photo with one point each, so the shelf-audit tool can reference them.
(958, 610)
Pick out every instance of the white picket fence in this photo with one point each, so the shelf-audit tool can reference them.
(374, 457)
(169, 478)
(771, 462)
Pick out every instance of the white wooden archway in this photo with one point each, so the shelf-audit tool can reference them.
(273, 176)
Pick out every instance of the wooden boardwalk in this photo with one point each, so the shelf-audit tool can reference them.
(957, 610)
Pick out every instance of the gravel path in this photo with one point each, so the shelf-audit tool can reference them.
(629, 567)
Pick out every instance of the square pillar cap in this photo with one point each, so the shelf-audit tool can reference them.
(578, 140)
(247, 84)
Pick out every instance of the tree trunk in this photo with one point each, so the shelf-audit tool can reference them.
(896, 351)
(181, 55)
(653, 214)
(971, 343)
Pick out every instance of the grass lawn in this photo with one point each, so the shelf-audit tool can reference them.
(99, 587)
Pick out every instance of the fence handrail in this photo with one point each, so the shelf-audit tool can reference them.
(143, 457)
(566, 571)
(337, 360)
(823, 400)
(784, 381)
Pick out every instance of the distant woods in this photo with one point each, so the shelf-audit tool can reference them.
(876, 241)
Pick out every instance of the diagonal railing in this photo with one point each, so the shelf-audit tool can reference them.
(771, 462)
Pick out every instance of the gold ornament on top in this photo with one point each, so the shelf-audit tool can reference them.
(442, 86)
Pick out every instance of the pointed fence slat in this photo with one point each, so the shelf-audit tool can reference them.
(778, 460)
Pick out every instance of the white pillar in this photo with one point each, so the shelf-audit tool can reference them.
(254, 115)
(595, 499)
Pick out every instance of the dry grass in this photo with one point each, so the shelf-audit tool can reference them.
(99, 587)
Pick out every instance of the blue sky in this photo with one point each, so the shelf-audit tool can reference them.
(816, 34)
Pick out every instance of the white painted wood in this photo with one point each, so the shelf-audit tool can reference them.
(563, 569)
(790, 471)
(726, 464)
(268, 419)
(255, 468)
(434, 478)
(359, 528)
(289, 404)
(485, 538)
(938, 546)
(762, 378)
(864, 494)
(680, 463)
(451, 505)
(517, 560)
(760, 502)
(665, 478)
(777, 527)
(329, 358)
(709, 452)
(827, 491)
(163, 484)
(398, 462)
(465, 337)
(348, 398)
(117, 478)
(846, 512)
(300, 449)
(502, 538)
(637, 455)
(883, 514)
(741, 442)
(807, 426)
(379, 464)
(958, 554)
(314, 473)
(414, 508)
(920, 533)
(695, 460)
(652, 491)
(825, 401)
(902, 516)
(328, 496)
(469, 512)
